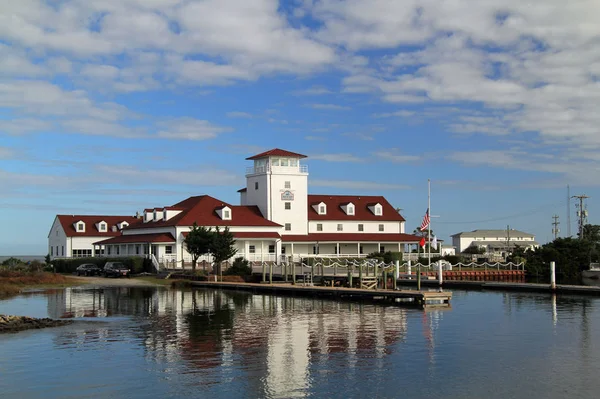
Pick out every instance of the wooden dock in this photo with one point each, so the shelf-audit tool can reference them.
(422, 299)
(502, 286)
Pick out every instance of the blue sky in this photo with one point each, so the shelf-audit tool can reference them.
(115, 106)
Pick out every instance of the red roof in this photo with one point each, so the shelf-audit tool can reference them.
(276, 152)
(67, 222)
(353, 237)
(249, 234)
(139, 238)
(361, 208)
(203, 210)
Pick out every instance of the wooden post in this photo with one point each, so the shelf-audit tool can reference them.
(285, 275)
(264, 267)
(360, 275)
(293, 272)
(350, 273)
(553, 275)
(419, 276)
(271, 273)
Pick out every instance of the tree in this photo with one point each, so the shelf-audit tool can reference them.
(198, 242)
(47, 259)
(474, 250)
(223, 247)
(422, 233)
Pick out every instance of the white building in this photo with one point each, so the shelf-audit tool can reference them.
(73, 236)
(277, 218)
(494, 242)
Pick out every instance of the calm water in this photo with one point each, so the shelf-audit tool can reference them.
(133, 342)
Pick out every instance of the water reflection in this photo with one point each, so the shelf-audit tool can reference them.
(206, 343)
(212, 330)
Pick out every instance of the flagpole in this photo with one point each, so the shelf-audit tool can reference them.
(429, 225)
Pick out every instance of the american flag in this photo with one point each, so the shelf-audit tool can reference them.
(425, 222)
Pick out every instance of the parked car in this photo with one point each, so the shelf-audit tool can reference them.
(88, 269)
(116, 269)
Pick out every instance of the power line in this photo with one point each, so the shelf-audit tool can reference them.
(525, 213)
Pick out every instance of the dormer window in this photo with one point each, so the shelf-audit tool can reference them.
(80, 227)
(224, 213)
(123, 224)
(102, 226)
(322, 210)
(348, 208)
(377, 209)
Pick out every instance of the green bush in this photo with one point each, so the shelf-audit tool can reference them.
(136, 264)
(240, 267)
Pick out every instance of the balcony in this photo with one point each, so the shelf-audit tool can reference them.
(292, 170)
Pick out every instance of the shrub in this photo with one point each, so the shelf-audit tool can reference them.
(240, 267)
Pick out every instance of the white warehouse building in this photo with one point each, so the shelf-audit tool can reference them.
(276, 218)
(494, 242)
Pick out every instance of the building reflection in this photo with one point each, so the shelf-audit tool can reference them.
(275, 339)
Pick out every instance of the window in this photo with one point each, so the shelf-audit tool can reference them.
(51, 251)
(288, 184)
(252, 249)
(335, 250)
(62, 250)
(226, 214)
(340, 227)
(361, 227)
(288, 205)
(271, 249)
(284, 162)
(256, 185)
(275, 162)
(57, 233)
(319, 227)
(169, 249)
(350, 210)
(293, 162)
(381, 227)
(378, 210)
(57, 250)
(315, 250)
(118, 248)
(322, 210)
(283, 250)
(360, 249)
(288, 226)
(137, 249)
(80, 227)
(82, 253)
(102, 226)
(381, 248)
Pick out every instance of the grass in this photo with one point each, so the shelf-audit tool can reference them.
(13, 282)
(154, 280)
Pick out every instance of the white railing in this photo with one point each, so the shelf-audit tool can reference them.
(252, 170)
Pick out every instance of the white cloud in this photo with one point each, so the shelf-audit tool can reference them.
(313, 91)
(342, 157)
(190, 129)
(6, 153)
(357, 185)
(394, 155)
(239, 114)
(401, 113)
(334, 107)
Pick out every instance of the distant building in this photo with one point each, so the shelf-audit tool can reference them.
(73, 236)
(448, 250)
(494, 242)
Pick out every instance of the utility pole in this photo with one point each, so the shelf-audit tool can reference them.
(582, 213)
(507, 242)
(568, 211)
(555, 229)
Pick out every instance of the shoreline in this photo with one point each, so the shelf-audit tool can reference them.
(12, 324)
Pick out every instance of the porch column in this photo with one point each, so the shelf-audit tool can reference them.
(278, 251)
(358, 250)
(337, 248)
(292, 250)
(262, 250)
(378, 247)
(247, 250)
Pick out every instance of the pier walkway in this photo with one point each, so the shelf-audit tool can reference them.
(422, 298)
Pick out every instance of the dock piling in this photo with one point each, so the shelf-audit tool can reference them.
(552, 275)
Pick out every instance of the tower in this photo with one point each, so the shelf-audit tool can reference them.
(278, 184)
